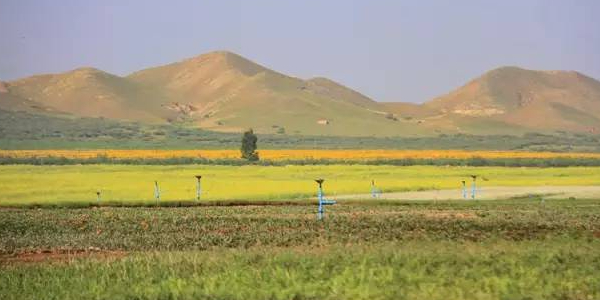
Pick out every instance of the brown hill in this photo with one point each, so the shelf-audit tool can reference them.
(88, 92)
(231, 93)
(533, 100)
(225, 92)
(220, 91)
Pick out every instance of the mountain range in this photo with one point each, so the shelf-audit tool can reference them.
(223, 91)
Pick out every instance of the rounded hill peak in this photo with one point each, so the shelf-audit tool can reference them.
(88, 72)
(507, 70)
(223, 59)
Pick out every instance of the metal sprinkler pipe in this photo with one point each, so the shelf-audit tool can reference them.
(198, 187)
(156, 192)
(322, 201)
(464, 189)
(320, 196)
(474, 187)
(373, 190)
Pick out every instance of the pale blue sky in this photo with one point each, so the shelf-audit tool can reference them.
(389, 50)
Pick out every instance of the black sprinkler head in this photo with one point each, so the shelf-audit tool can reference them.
(320, 181)
(198, 176)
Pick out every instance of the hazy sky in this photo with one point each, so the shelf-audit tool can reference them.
(389, 50)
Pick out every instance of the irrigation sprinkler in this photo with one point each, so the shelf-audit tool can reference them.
(156, 192)
(198, 187)
(375, 192)
(464, 189)
(98, 196)
(322, 201)
(474, 187)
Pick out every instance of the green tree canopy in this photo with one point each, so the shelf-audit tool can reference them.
(248, 149)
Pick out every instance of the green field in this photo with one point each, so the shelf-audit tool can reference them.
(20, 130)
(28, 185)
(516, 249)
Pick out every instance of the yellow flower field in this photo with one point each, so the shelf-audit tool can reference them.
(290, 154)
(27, 184)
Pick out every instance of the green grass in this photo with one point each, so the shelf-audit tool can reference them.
(527, 270)
(122, 184)
(514, 249)
(473, 162)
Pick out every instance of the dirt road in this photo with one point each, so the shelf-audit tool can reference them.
(488, 193)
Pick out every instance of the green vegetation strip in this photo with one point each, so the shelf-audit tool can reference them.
(474, 162)
(20, 130)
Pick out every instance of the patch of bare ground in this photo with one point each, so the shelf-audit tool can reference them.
(60, 255)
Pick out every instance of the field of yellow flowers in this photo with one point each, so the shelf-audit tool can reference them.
(27, 184)
(290, 154)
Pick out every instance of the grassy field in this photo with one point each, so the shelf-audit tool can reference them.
(20, 130)
(28, 185)
(515, 249)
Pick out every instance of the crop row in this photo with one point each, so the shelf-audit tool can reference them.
(197, 228)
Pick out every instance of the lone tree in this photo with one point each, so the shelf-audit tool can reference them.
(249, 146)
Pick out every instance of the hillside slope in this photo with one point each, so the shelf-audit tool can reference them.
(89, 92)
(535, 100)
(11, 102)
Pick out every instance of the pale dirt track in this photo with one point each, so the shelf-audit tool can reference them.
(487, 193)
